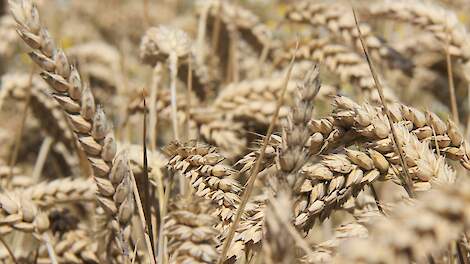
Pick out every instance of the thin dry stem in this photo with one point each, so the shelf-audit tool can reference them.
(254, 172)
(450, 77)
(407, 184)
(19, 133)
(143, 224)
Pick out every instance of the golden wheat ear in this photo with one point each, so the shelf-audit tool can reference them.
(414, 231)
(88, 121)
(340, 23)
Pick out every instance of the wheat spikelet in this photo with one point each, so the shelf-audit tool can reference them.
(201, 164)
(249, 235)
(444, 25)
(337, 177)
(88, 121)
(153, 51)
(76, 246)
(19, 213)
(369, 122)
(67, 190)
(414, 232)
(192, 237)
(338, 19)
(351, 67)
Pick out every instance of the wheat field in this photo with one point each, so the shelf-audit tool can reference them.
(234, 131)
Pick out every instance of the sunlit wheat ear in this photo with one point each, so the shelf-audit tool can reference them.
(88, 121)
(340, 22)
(76, 246)
(20, 213)
(351, 120)
(347, 64)
(174, 45)
(414, 232)
(190, 230)
(337, 177)
(431, 17)
(208, 176)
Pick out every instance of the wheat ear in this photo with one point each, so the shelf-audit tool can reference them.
(335, 17)
(339, 59)
(412, 233)
(88, 121)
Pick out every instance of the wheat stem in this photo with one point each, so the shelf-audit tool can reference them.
(256, 168)
(10, 252)
(19, 133)
(50, 249)
(407, 184)
(450, 77)
(43, 152)
(188, 97)
(153, 116)
(143, 225)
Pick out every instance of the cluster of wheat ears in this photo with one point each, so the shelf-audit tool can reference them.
(223, 131)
